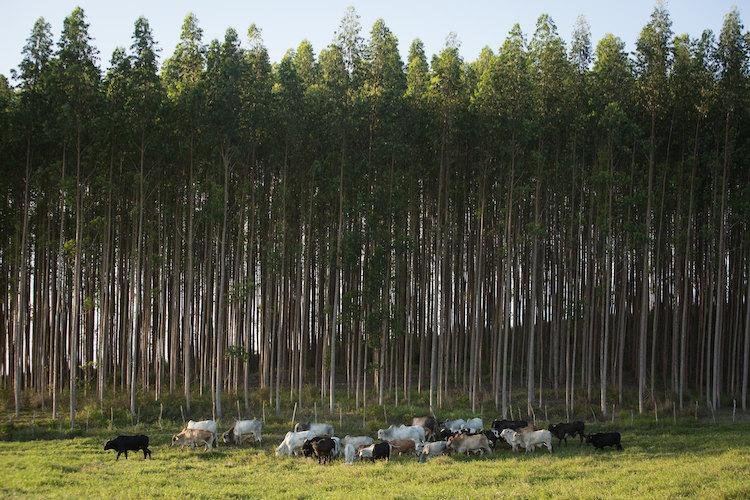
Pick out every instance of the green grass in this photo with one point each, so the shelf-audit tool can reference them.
(660, 460)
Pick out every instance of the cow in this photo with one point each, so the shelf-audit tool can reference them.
(414, 432)
(351, 444)
(601, 440)
(292, 443)
(323, 447)
(123, 444)
(307, 446)
(205, 425)
(454, 425)
(194, 437)
(464, 443)
(350, 453)
(243, 429)
(564, 429)
(529, 440)
(427, 451)
(492, 436)
(357, 441)
(473, 425)
(402, 446)
(500, 425)
(429, 424)
(316, 428)
(377, 451)
(512, 437)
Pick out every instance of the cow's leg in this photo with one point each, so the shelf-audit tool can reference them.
(118, 455)
(126, 453)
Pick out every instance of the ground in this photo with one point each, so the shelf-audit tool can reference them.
(666, 459)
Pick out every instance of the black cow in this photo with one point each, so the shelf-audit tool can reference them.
(380, 451)
(500, 425)
(308, 447)
(492, 436)
(322, 448)
(603, 439)
(564, 429)
(123, 444)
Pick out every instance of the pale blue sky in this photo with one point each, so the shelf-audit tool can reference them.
(286, 22)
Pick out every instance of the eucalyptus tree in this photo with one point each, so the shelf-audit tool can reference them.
(652, 65)
(182, 75)
(33, 122)
(80, 81)
(612, 84)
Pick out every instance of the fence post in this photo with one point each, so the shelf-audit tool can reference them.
(239, 415)
(613, 413)
(161, 410)
(264, 412)
(294, 412)
(182, 414)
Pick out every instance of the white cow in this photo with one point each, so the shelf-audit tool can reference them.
(205, 425)
(318, 429)
(415, 432)
(529, 440)
(427, 451)
(358, 441)
(350, 453)
(292, 443)
(351, 444)
(454, 425)
(473, 425)
(242, 429)
(512, 437)
(537, 439)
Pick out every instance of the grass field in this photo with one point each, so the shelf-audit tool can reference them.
(667, 459)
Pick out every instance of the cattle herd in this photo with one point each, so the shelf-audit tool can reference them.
(425, 438)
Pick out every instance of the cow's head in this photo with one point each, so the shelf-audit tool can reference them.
(588, 438)
(109, 445)
(228, 437)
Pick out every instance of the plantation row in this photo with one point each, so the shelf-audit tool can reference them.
(558, 216)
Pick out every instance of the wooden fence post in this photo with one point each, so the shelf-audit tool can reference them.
(294, 412)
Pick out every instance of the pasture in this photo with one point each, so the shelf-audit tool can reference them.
(665, 459)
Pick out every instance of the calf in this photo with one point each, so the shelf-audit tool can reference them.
(402, 446)
(123, 444)
(377, 451)
(428, 451)
(464, 443)
(564, 429)
(429, 424)
(601, 440)
(194, 437)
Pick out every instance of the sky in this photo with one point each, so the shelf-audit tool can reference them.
(284, 23)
